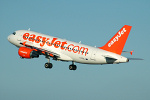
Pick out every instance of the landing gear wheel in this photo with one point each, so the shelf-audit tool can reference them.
(72, 67)
(48, 65)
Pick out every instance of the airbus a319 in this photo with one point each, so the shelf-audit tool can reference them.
(32, 44)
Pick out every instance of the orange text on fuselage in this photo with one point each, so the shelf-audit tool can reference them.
(57, 44)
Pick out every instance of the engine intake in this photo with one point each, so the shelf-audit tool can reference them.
(27, 53)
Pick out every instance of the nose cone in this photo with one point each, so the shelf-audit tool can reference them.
(9, 38)
(12, 39)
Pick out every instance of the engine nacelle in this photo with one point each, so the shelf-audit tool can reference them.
(27, 53)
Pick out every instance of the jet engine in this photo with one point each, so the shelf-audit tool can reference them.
(27, 53)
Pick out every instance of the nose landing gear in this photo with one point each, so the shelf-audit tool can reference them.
(48, 64)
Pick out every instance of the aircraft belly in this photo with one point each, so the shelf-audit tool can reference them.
(88, 59)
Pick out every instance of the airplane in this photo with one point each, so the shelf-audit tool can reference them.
(32, 44)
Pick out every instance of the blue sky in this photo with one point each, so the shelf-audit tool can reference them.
(93, 22)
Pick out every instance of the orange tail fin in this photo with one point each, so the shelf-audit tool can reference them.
(117, 42)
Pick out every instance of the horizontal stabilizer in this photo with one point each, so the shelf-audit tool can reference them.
(135, 59)
(131, 52)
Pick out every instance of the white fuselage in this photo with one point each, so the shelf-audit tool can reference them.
(66, 50)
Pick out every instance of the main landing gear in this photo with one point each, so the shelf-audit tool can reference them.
(50, 65)
(72, 66)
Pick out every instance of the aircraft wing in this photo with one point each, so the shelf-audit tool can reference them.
(42, 51)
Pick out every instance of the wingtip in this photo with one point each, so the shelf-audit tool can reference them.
(131, 52)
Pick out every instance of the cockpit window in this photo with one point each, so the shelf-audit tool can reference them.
(14, 33)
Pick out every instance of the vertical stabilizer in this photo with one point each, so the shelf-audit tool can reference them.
(117, 42)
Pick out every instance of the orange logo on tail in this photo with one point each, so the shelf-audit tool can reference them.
(117, 37)
(117, 42)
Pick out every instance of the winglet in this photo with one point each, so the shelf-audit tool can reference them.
(117, 42)
(131, 52)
